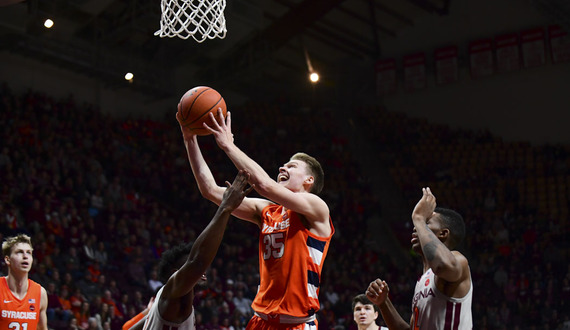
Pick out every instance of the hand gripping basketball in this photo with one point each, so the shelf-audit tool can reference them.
(194, 108)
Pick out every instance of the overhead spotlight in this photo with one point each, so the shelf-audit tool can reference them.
(314, 77)
(129, 76)
(48, 23)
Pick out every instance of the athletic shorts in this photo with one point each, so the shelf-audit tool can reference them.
(257, 323)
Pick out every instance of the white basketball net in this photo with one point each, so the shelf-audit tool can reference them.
(199, 19)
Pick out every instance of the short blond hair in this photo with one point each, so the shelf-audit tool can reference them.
(9, 243)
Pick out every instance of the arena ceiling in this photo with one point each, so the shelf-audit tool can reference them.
(265, 47)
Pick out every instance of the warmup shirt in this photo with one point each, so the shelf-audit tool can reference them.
(432, 309)
(290, 262)
(20, 313)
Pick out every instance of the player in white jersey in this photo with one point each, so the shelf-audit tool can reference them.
(443, 295)
(365, 313)
(172, 307)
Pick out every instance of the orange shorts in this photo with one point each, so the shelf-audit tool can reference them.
(258, 323)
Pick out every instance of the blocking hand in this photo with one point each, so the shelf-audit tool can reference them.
(236, 192)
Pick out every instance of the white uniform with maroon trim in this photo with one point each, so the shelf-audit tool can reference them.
(155, 322)
(431, 309)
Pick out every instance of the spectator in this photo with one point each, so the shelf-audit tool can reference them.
(88, 288)
(111, 304)
(76, 300)
(65, 302)
(92, 324)
(154, 283)
(105, 315)
(243, 304)
(500, 277)
(136, 270)
(83, 316)
(54, 309)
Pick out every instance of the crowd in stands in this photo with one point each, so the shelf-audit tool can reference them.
(104, 196)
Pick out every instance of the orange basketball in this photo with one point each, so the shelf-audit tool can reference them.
(196, 104)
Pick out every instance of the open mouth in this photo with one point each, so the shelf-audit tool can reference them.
(414, 239)
(282, 178)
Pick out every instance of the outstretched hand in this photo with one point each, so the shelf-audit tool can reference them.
(425, 207)
(378, 291)
(236, 192)
(221, 129)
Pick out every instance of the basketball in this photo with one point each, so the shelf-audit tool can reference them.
(196, 104)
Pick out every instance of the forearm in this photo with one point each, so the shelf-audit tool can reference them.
(202, 173)
(391, 316)
(139, 325)
(130, 324)
(258, 176)
(206, 245)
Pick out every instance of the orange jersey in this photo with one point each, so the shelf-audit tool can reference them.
(290, 262)
(20, 313)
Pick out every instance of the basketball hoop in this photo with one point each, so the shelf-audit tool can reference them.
(199, 19)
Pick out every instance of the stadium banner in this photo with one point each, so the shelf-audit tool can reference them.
(481, 58)
(446, 65)
(414, 72)
(507, 52)
(559, 44)
(533, 47)
(386, 76)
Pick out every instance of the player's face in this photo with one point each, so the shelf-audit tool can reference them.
(293, 175)
(20, 259)
(434, 224)
(364, 315)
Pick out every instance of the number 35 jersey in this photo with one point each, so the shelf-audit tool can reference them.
(19, 313)
(290, 262)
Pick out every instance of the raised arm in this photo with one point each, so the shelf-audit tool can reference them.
(448, 265)
(206, 245)
(248, 210)
(310, 205)
(377, 292)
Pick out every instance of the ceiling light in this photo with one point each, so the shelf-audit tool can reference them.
(314, 77)
(129, 76)
(48, 23)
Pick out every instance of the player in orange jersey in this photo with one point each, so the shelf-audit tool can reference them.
(23, 302)
(295, 229)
